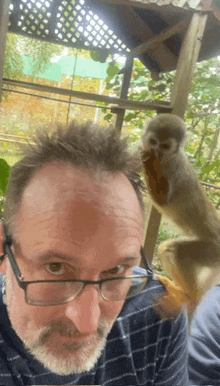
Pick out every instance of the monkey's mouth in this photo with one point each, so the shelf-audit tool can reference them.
(146, 154)
(159, 155)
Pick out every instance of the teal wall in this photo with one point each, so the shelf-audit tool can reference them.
(65, 66)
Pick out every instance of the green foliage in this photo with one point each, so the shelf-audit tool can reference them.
(204, 96)
(4, 177)
(108, 117)
(99, 56)
(40, 51)
(202, 115)
(211, 167)
(13, 65)
(164, 235)
(4, 173)
(142, 88)
(112, 70)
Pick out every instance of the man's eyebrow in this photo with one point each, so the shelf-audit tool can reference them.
(51, 254)
(126, 260)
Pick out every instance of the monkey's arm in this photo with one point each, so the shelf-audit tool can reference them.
(157, 182)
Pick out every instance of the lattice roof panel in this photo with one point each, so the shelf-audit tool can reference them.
(117, 26)
(68, 22)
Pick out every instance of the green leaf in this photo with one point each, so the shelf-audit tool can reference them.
(108, 117)
(4, 175)
(99, 56)
(112, 70)
(209, 168)
(129, 117)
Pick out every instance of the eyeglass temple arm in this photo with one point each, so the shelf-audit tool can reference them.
(7, 242)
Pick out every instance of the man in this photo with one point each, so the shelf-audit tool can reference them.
(73, 229)
(204, 342)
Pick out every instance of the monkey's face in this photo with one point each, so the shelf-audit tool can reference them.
(160, 144)
(164, 135)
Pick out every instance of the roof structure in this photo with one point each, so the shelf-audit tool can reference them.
(118, 26)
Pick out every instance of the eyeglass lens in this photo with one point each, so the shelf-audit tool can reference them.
(63, 292)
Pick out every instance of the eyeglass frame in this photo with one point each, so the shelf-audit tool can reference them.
(7, 243)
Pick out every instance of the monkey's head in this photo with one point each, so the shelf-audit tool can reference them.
(164, 135)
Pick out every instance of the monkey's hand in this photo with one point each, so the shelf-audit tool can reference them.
(171, 303)
(156, 182)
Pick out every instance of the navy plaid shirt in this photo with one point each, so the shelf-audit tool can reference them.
(141, 350)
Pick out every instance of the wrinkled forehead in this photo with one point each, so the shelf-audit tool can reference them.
(61, 188)
(68, 209)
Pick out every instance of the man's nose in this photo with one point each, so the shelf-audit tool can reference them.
(84, 310)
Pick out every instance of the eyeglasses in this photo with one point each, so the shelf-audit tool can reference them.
(55, 292)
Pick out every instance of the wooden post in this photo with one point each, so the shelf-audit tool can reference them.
(124, 91)
(152, 227)
(4, 17)
(186, 63)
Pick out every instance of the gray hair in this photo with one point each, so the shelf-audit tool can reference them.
(86, 146)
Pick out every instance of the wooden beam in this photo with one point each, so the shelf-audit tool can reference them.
(149, 5)
(4, 17)
(216, 12)
(123, 103)
(138, 28)
(188, 57)
(152, 227)
(124, 91)
(161, 37)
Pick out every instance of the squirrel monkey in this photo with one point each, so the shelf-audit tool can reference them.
(192, 261)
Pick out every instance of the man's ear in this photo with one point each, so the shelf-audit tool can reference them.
(2, 263)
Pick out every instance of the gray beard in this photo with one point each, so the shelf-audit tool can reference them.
(75, 357)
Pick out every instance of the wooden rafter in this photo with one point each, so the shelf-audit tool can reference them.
(143, 32)
(187, 62)
(123, 103)
(161, 37)
(150, 5)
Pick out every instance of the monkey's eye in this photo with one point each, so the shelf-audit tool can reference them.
(165, 146)
(153, 141)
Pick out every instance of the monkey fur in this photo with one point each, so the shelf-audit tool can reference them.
(192, 261)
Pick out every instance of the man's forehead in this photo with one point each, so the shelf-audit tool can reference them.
(93, 213)
(60, 180)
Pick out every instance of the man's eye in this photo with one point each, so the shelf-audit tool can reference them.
(55, 268)
(115, 271)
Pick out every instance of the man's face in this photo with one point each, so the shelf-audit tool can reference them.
(72, 226)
